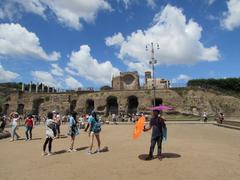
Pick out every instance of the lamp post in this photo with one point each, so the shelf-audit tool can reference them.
(152, 62)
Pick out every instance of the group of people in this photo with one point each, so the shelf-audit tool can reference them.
(53, 123)
(53, 131)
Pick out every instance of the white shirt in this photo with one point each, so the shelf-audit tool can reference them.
(15, 121)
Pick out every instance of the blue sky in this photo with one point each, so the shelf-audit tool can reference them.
(68, 44)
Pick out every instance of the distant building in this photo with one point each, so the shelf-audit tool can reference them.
(126, 81)
(159, 83)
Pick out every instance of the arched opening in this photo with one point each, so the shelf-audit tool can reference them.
(112, 105)
(73, 105)
(5, 108)
(158, 101)
(89, 106)
(36, 105)
(132, 104)
(20, 109)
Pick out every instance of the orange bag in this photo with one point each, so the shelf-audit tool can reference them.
(139, 126)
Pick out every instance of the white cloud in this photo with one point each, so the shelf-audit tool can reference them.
(179, 42)
(84, 65)
(72, 83)
(231, 18)
(210, 2)
(56, 70)
(17, 41)
(116, 39)
(127, 3)
(71, 13)
(45, 78)
(7, 76)
(181, 78)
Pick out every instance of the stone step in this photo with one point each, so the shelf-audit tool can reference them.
(227, 126)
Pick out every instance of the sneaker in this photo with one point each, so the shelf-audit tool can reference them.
(89, 153)
(69, 150)
(160, 158)
(149, 158)
(44, 154)
(11, 140)
(50, 154)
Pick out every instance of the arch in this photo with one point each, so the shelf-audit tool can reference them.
(20, 109)
(112, 105)
(73, 105)
(5, 108)
(36, 104)
(132, 104)
(158, 101)
(89, 106)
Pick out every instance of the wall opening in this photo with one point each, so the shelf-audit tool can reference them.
(89, 106)
(112, 105)
(132, 104)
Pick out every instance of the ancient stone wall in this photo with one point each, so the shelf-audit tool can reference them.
(128, 101)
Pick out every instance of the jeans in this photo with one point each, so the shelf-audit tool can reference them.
(57, 129)
(28, 129)
(155, 140)
(14, 133)
(49, 142)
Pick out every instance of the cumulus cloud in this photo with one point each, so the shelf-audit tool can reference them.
(17, 41)
(116, 39)
(83, 64)
(71, 13)
(231, 18)
(7, 76)
(56, 70)
(178, 39)
(72, 83)
(45, 78)
(182, 78)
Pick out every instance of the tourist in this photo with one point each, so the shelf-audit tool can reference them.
(57, 120)
(156, 124)
(94, 130)
(221, 118)
(50, 126)
(29, 127)
(3, 120)
(73, 130)
(15, 120)
(205, 117)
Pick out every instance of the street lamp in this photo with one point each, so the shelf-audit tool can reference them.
(152, 62)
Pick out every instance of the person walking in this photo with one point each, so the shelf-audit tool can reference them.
(73, 130)
(94, 131)
(29, 127)
(50, 126)
(58, 124)
(156, 124)
(15, 120)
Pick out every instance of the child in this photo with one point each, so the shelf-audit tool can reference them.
(50, 126)
(156, 124)
(29, 127)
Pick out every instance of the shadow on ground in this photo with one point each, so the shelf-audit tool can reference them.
(164, 155)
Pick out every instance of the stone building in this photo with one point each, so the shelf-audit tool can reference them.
(159, 83)
(126, 81)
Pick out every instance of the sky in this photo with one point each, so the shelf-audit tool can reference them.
(77, 43)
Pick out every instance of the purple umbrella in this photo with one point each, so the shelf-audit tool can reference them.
(161, 107)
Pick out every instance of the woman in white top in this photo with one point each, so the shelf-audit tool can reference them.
(15, 119)
(49, 134)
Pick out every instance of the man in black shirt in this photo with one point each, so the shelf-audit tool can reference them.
(156, 124)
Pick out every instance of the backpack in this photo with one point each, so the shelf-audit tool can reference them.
(97, 127)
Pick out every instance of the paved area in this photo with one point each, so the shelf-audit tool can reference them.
(192, 151)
